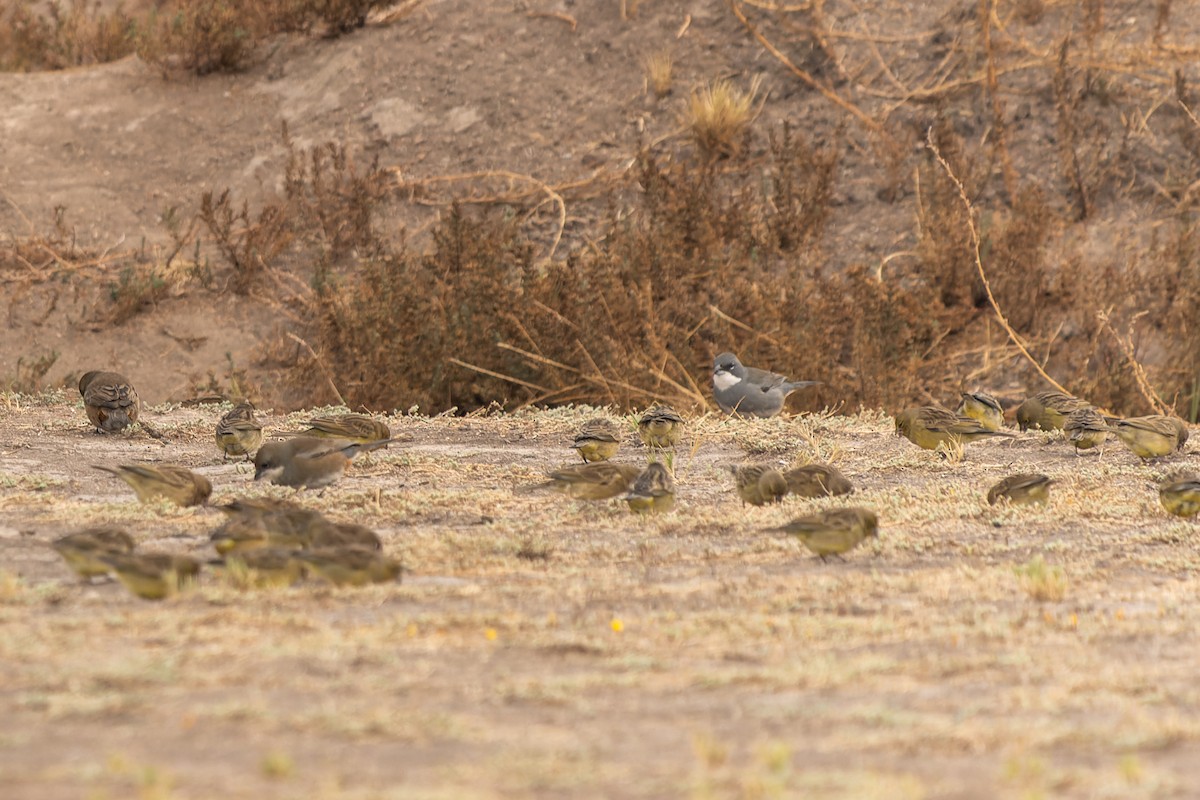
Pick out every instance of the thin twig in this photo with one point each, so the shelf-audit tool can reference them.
(341, 400)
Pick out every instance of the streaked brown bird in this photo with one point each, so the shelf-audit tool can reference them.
(758, 484)
(268, 566)
(308, 462)
(238, 432)
(1048, 410)
(597, 440)
(82, 550)
(983, 408)
(168, 482)
(110, 400)
(1086, 428)
(654, 490)
(346, 534)
(930, 426)
(358, 428)
(1021, 490)
(817, 480)
(153, 576)
(1153, 436)
(1181, 495)
(265, 522)
(660, 428)
(350, 566)
(833, 531)
(602, 480)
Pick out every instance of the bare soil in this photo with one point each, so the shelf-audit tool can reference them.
(539, 647)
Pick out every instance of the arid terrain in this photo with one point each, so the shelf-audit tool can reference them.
(538, 647)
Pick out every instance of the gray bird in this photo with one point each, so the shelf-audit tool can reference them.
(306, 461)
(749, 392)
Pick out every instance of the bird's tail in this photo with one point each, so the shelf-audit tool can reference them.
(792, 386)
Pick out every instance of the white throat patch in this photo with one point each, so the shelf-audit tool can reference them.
(725, 380)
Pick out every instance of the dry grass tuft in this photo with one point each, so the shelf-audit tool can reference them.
(1040, 581)
(659, 69)
(719, 115)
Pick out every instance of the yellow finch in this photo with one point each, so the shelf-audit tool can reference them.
(346, 534)
(352, 427)
(600, 481)
(1021, 490)
(268, 566)
(1086, 429)
(169, 482)
(930, 426)
(817, 480)
(834, 531)
(154, 577)
(1154, 436)
(82, 550)
(350, 566)
(660, 427)
(1048, 410)
(110, 400)
(597, 440)
(238, 433)
(654, 490)
(1181, 496)
(983, 408)
(759, 485)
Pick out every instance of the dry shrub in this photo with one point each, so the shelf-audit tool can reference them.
(719, 115)
(249, 246)
(204, 36)
(54, 36)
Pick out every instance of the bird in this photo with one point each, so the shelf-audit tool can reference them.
(238, 433)
(654, 490)
(833, 531)
(346, 534)
(1048, 410)
(266, 522)
(82, 550)
(983, 408)
(597, 440)
(1152, 436)
(358, 428)
(1181, 495)
(1086, 428)
(110, 400)
(154, 576)
(169, 482)
(1021, 490)
(308, 462)
(930, 426)
(267, 566)
(758, 484)
(749, 392)
(817, 480)
(660, 427)
(602, 480)
(350, 566)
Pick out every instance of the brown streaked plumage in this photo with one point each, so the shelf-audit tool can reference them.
(82, 550)
(602, 480)
(268, 566)
(1152, 436)
(358, 428)
(930, 426)
(1021, 490)
(817, 480)
(758, 484)
(983, 408)
(597, 440)
(1048, 410)
(1181, 495)
(660, 427)
(654, 490)
(350, 566)
(308, 462)
(110, 400)
(1086, 429)
(167, 482)
(238, 433)
(155, 576)
(346, 534)
(834, 531)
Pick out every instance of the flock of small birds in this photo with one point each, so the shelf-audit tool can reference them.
(279, 542)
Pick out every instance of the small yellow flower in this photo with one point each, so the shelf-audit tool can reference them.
(412, 630)
(617, 625)
(490, 633)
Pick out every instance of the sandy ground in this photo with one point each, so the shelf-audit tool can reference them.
(547, 648)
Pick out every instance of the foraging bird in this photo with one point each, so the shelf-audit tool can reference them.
(358, 428)
(1181, 495)
(833, 531)
(153, 576)
(749, 392)
(660, 427)
(817, 480)
(602, 480)
(1152, 436)
(238, 433)
(308, 462)
(346, 534)
(110, 400)
(1048, 410)
(1021, 490)
(169, 482)
(82, 550)
(930, 426)
(654, 490)
(758, 484)
(1086, 428)
(350, 566)
(254, 524)
(983, 408)
(597, 440)
(268, 566)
